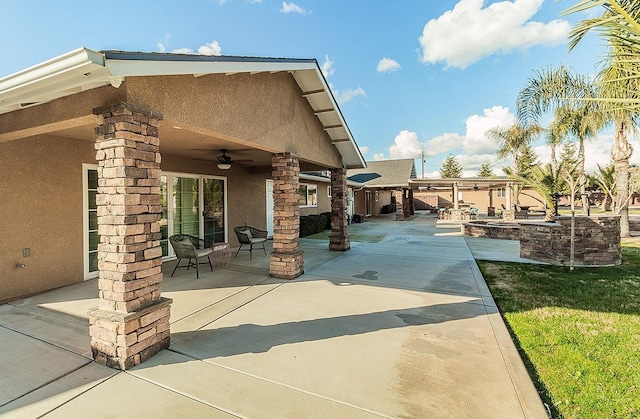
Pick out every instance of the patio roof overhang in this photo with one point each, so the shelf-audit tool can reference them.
(471, 183)
(84, 69)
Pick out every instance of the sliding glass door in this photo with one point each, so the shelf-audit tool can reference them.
(214, 214)
(193, 205)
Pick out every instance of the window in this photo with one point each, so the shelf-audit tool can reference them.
(91, 237)
(501, 193)
(308, 195)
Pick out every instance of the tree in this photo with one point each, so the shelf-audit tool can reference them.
(485, 170)
(451, 168)
(559, 89)
(619, 82)
(528, 160)
(605, 180)
(513, 141)
(543, 180)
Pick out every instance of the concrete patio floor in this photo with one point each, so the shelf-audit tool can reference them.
(401, 327)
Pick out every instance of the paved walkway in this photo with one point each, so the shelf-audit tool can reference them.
(401, 327)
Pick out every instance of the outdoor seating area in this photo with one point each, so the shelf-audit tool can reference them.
(191, 249)
(467, 213)
(250, 236)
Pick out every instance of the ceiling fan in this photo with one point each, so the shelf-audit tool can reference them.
(225, 161)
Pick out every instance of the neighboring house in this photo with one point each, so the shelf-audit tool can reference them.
(104, 155)
(385, 183)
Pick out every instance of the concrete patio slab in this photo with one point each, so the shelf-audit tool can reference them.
(28, 364)
(375, 342)
(125, 395)
(239, 393)
(48, 326)
(401, 327)
(47, 398)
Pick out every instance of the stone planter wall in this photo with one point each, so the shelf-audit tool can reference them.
(597, 241)
(491, 230)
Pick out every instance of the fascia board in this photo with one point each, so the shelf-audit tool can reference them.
(124, 68)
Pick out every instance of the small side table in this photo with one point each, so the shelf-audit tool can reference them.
(221, 254)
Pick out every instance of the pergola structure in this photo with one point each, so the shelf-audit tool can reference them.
(474, 183)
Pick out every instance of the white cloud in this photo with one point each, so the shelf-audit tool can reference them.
(388, 65)
(442, 143)
(212, 48)
(344, 96)
(470, 32)
(364, 150)
(327, 67)
(182, 51)
(378, 156)
(475, 140)
(405, 145)
(292, 8)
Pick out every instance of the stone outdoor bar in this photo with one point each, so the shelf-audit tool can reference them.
(596, 241)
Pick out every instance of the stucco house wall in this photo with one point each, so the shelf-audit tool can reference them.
(41, 188)
(43, 149)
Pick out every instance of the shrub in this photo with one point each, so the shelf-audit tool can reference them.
(307, 225)
(327, 226)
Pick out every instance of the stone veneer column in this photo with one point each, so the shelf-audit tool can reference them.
(287, 261)
(339, 239)
(131, 322)
(399, 204)
(412, 206)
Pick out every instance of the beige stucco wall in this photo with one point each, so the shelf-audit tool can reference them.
(264, 110)
(41, 206)
(324, 202)
(480, 198)
(41, 175)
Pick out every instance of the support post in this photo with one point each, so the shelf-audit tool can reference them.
(131, 322)
(339, 239)
(399, 193)
(287, 260)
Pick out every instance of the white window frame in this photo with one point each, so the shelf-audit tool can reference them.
(501, 192)
(329, 191)
(307, 186)
(85, 211)
(85, 220)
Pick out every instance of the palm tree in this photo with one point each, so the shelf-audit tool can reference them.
(546, 183)
(558, 89)
(512, 141)
(619, 82)
(605, 179)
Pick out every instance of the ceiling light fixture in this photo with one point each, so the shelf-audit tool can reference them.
(224, 166)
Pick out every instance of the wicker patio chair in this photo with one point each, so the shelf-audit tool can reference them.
(250, 236)
(190, 248)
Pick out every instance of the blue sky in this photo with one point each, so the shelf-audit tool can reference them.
(409, 75)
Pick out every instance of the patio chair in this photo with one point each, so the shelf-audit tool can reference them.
(190, 248)
(250, 236)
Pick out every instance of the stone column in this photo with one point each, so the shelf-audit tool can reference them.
(456, 201)
(508, 214)
(287, 261)
(412, 207)
(339, 239)
(131, 322)
(399, 204)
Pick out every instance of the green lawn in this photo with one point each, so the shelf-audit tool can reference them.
(578, 332)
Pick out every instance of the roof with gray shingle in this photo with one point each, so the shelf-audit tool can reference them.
(385, 173)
